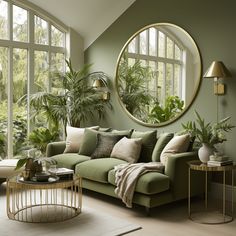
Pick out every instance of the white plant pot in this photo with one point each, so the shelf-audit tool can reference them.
(204, 153)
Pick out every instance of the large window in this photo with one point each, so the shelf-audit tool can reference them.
(159, 50)
(32, 52)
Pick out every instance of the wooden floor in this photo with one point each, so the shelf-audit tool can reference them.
(167, 220)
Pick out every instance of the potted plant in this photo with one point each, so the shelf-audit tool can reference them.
(207, 134)
(32, 160)
(78, 101)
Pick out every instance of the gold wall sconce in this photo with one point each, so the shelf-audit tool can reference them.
(216, 71)
(100, 84)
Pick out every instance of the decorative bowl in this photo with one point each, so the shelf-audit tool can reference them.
(42, 176)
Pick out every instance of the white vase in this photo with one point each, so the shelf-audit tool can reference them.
(204, 153)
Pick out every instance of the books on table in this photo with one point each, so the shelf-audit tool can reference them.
(220, 163)
(62, 173)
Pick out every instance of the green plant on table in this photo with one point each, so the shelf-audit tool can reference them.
(34, 156)
(208, 133)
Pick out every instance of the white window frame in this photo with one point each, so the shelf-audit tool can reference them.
(146, 57)
(31, 47)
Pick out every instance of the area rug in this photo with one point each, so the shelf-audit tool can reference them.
(88, 223)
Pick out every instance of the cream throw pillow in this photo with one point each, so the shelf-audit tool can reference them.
(74, 138)
(177, 144)
(127, 149)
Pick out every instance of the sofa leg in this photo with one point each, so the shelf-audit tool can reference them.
(148, 211)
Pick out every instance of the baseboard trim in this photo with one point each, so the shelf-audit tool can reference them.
(216, 191)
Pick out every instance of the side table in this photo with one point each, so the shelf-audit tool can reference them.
(220, 216)
(52, 201)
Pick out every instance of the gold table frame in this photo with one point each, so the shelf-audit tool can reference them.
(199, 166)
(43, 201)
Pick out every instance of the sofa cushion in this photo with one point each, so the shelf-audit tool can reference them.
(103, 129)
(97, 169)
(89, 142)
(149, 183)
(74, 138)
(177, 144)
(7, 168)
(69, 160)
(105, 144)
(126, 133)
(162, 141)
(149, 139)
(127, 149)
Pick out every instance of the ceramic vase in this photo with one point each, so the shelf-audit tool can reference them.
(204, 153)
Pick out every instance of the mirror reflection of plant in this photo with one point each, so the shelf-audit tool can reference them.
(161, 113)
(78, 101)
(132, 87)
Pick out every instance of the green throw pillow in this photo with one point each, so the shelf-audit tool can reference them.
(149, 139)
(163, 139)
(126, 133)
(105, 144)
(105, 129)
(89, 142)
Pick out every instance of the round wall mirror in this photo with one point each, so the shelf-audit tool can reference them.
(158, 74)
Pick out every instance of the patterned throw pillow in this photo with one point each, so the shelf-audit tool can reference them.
(105, 144)
(127, 149)
(74, 138)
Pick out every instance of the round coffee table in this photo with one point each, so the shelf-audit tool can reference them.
(51, 201)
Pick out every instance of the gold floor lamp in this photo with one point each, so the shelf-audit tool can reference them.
(217, 70)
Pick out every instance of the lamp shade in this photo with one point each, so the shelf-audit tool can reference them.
(217, 70)
(99, 83)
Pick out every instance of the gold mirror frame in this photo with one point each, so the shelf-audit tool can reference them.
(196, 87)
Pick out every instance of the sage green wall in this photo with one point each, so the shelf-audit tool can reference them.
(212, 24)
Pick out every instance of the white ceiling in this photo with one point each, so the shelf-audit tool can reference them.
(90, 18)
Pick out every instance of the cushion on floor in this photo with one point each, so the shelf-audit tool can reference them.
(7, 168)
(149, 183)
(97, 169)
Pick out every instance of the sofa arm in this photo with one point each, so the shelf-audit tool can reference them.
(177, 170)
(55, 148)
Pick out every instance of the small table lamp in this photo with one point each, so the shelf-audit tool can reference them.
(217, 70)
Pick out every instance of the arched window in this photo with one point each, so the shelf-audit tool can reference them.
(164, 54)
(32, 50)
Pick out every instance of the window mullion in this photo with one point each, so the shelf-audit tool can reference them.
(30, 74)
(10, 104)
(172, 79)
(10, 87)
(49, 57)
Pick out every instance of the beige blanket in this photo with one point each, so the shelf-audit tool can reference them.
(127, 176)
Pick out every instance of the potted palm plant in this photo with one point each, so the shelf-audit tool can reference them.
(78, 101)
(207, 134)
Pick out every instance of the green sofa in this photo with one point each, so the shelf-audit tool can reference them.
(152, 189)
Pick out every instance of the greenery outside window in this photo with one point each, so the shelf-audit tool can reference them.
(32, 51)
